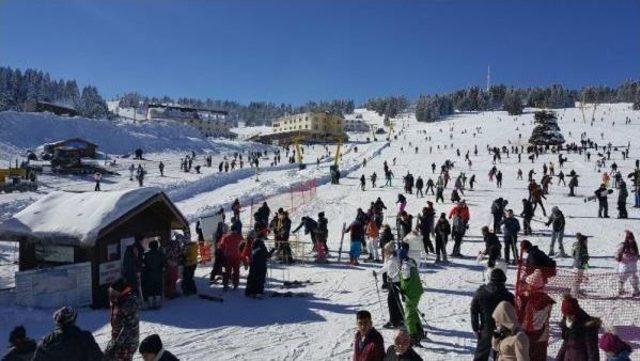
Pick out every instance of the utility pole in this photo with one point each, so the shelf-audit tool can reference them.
(488, 77)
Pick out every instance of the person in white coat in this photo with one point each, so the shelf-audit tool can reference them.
(391, 268)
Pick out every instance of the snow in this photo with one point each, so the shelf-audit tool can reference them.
(77, 218)
(321, 327)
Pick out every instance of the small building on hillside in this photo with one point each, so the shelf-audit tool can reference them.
(75, 147)
(356, 126)
(42, 106)
(65, 230)
(211, 123)
(312, 127)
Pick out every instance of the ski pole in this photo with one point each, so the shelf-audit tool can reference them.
(375, 276)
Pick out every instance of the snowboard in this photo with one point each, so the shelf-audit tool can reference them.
(344, 227)
(210, 298)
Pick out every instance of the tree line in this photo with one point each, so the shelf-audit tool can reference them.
(17, 88)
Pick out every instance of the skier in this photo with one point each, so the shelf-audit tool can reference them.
(258, 266)
(430, 186)
(484, 302)
(140, 175)
(378, 211)
(627, 258)
(425, 226)
(161, 168)
(368, 343)
(132, 170)
(373, 178)
(391, 273)
(262, 214)
(499, 179)
(603, 204)
(281, 235)
(442, 231)
(439, 190)
(573, 183)
(125, 330)
(322, 233)
(97, 176)
(536, 197)
(153, 268)
(411, 288)
(151, 348)
(363, 182)
(66, 342)
(472, 180)
(373, 235)
(230, 247)
(558, 221)
(388, 175)
(511, 229)
(492, 246)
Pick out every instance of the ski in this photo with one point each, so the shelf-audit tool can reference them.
(210, 298)
(289, 294)
(344, 227)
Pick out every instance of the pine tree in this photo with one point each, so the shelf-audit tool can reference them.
(512, 103)
(91, 103)
(546, 130)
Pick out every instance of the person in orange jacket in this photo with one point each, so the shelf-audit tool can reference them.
(230, 247)
(461, 210)
(373, 244)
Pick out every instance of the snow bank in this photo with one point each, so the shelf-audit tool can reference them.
(21, 131)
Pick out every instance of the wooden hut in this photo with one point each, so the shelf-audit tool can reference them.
(67, 228)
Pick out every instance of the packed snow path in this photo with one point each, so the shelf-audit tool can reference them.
(321, 327)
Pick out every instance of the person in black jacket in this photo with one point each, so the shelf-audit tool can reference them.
(21, 348)
(258, 266)
(484, 302)
(67, 342)
(497, 210)
(153, 266)
(527, 215)
(262, 214)
(622, 200)
(558, 221)
(425, 226)
(442, 231)
(603, 203)
(419, 186)
(322, 232)
(151, 349)
(492, 246)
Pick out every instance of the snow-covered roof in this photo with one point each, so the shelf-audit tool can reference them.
(75, 218)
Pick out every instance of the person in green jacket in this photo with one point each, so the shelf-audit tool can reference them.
(411, 289)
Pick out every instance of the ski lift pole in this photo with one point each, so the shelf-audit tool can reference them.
(375, 276)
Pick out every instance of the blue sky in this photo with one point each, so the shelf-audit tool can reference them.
(294, 51)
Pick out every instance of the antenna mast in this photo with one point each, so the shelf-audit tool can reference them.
(488, 77)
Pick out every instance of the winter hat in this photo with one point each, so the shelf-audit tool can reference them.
(119, 285)
(497, 276)
(610, 342)
(321, 215)
(402, 338)
(17, 333)
(525, 244)
(569, 306)
(151, 344)
(65, 316)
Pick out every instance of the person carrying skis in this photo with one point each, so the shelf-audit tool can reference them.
(125, 322)
(511, 229)
(390, 272)
(230, 247)
(258, 263)
(484, 302)
(603, 203)
(356, 231)
(411, 288)
(368, 344)
(558, 221)
(627, 257)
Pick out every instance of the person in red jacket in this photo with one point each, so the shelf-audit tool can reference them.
(230, 247)
(461, 210)
(368, 344)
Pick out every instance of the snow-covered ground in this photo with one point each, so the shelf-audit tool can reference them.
(321, 327)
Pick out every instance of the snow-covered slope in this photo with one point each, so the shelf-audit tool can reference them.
(321, 327)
